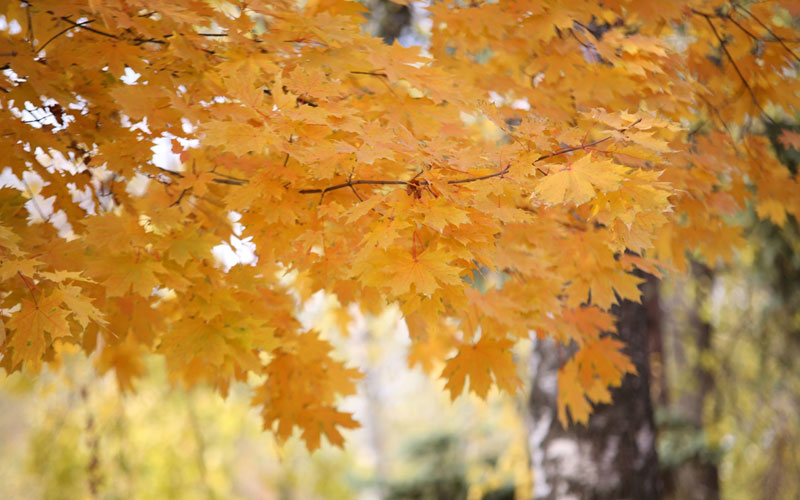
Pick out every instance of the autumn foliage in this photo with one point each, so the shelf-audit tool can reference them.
(508, 181)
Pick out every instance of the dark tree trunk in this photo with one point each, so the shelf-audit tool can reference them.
(615, 456)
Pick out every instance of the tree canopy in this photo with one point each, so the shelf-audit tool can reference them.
(509, 178)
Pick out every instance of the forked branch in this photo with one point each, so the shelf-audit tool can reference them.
(727, 53)
(413, 182)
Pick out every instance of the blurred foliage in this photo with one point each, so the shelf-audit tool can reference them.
(757, 408)
(680, 442)
(441, 470)
(69, 433)
(751, 417)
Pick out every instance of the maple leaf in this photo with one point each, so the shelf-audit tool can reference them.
(125, 358)
(597, 365)
(188, 246)
(483, 362)
(238, 138)
(15, 267)
(303, 382)
(400, 269)
(325, 422)
(10, 241)
(81, 306)
(602, 359)
(132, 274)
(579, 182)
(586, 323)
(439, 214)
(572, 395)
(35, 327)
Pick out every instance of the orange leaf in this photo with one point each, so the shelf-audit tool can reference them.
(790, 139)
(579, 182)
(489, 359)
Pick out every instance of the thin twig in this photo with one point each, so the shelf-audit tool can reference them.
(68, 28)
(30, 23)
(352, 183)
(582, 146)
(353, 188)
(571, 149)
(745, 30)
(88, 28)
(719, 116)
(231, 182)
(356, 193)
(583, 44)
(481, 178)
(180, 197)
(369, 73)
(776, 37)
(420, 183)
(383, 78)
(412, 182)
(733, 62)
(38, 120)
(230, 177)
(137, 41)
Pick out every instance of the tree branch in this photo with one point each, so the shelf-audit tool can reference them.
(419, 183)
(733, 62)
(473, 179)
(138, 40)
(87, 28)
(369, 73)
(771, 33)
(239, 182)
(582, 146)
(68, 28)
(350, 183)
(31, 38)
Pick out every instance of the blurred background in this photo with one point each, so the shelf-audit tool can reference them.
(69, 433)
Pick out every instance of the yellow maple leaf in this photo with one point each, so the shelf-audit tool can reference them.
(35, 327)
(578, 183)
(426, 271)
(489, 359)
(602, 359)
(125, 358)
(587, 375)
(571, 395)
(238, 138)
(81, 306)
(316, 422)
(399, 269)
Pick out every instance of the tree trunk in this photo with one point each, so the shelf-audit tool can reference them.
(615, 456)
